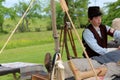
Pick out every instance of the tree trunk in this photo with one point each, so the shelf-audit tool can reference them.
(1, 27)
(27, 28)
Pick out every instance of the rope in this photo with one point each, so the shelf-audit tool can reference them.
(16, 26)
(65, 8)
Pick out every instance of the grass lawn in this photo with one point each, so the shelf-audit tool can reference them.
(30, 47)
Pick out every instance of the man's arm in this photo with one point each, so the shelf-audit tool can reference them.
(92, 43)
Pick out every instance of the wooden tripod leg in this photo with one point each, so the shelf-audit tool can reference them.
(87, 74)
(75, 71)
(100, 72)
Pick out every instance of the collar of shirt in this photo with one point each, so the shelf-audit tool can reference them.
(98, 30)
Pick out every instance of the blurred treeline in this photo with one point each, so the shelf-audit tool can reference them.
(39, 16)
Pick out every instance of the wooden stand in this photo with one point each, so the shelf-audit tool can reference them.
(40, 77)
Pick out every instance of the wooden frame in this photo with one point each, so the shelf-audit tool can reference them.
(40, 77)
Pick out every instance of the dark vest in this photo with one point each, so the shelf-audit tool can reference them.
(102, 41)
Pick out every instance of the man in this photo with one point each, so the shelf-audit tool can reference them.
(95, 37)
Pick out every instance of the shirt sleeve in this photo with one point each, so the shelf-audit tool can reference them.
(116, 34)
(92, 42)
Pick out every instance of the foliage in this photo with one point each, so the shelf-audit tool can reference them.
(59, 15)
(113, 12)
(1, 15)
(34, 12)
(40, 23)
(4, 13)
(78, 11)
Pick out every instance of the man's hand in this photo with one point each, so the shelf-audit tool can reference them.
(119, 48)
(112, 30)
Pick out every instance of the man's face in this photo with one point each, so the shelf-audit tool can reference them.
(96, 21)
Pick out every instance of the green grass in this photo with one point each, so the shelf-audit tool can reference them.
(27, 39)
(26, 54)
(31, 47)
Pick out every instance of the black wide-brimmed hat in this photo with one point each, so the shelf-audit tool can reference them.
(94, 11)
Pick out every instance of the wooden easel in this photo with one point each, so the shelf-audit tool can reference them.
(66, 33)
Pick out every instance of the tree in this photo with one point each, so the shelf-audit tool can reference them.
(5, 12)
(34, 12)
(78, 11)
(59, 14)
(112, 12)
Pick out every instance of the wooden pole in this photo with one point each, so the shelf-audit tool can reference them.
(54, 28)
(65, 9)
(75, 71)
(57, 54)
